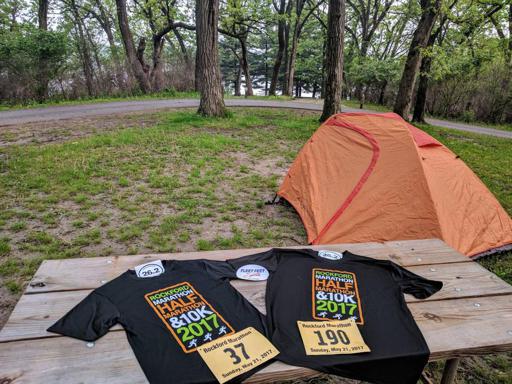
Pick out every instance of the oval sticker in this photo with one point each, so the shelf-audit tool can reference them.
(252, 272)
(331, 255)
(151, 269)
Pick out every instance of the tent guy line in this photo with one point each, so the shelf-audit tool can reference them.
(32, 115)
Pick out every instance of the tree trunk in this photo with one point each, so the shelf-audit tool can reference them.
(382, 93)
(245, 66)
(322, 88)
(238, 79)
(106, 24)
(83, 48)
(266, 68)
(129, 48)
(286, 56)
(42, 87)
(42, 14)
(196, 74)
(334, 58)
(430, 9)
(360, 87)
(286, 53)
(208, 69)
(100, 77)
(421, 94)
(291, 60)
(183, 47)
(280, 49)
(157, 76)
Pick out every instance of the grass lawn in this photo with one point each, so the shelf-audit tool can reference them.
(181, 182)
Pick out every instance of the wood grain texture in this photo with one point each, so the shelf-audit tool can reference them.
(472, 314)
(462, 327)
(425, 251)
(64, 360)
(89, 273)
(452, 328)
(34, 313)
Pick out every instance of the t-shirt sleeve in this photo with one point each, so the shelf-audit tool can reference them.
(88, 320)
(413, 284)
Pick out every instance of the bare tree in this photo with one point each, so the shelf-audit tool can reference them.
(104, 18)
(42, 88)
(334, 58)
(82, 45)
(207, 59)
(148, 76)
(300, 20)
(430, 9)
(369, 16)
(129, 47)
(281, 44)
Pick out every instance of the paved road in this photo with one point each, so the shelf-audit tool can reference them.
(97, 109)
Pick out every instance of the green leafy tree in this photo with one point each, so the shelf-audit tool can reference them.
(21, 51)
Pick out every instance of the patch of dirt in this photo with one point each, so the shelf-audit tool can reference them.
(263, 167)
(72, 129)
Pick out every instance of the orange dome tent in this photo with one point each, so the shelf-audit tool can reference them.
(374, 177)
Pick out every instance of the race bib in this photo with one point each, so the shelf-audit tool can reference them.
(230, 356)
(331, 337)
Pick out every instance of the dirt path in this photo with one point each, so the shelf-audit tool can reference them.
(24, 116)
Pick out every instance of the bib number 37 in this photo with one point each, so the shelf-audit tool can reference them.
(236, 356)
(233, 355)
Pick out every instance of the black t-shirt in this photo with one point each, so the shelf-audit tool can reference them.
(166, 317)
(305, 286)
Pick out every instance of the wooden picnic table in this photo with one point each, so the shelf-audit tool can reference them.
(471, 315)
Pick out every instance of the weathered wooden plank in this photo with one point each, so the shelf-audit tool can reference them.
(461, 280)
(452, 328)
(34, 313)
(89, 273)
(426, 251)
(111, 360)
(462, 327)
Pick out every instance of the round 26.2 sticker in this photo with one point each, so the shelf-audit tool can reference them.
(150, 270)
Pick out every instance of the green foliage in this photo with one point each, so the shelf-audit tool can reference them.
(370, 71)
(5, 248)
(25, 51)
